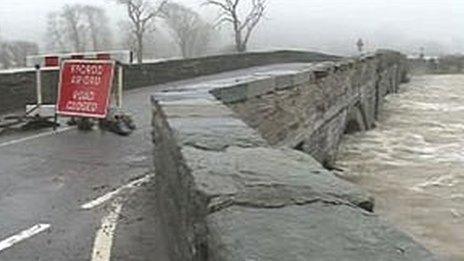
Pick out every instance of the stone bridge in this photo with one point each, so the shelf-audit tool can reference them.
(242, 155)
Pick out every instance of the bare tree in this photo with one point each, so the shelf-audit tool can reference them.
(191, 33)
(72, 17)
(97, 27)
(55, 36)
(142, 14)
(129, 41)
(78, 28)
(243, 26)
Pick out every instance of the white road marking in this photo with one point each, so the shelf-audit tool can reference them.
(100, 200)
(104, 237)
(9, 242)
(40, 135)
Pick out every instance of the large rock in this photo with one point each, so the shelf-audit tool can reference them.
(313, 231)
(276, 177)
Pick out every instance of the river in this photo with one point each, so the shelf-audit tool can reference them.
(413, 162)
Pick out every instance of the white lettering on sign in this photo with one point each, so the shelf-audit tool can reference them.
(89, 75)
(86, 80)
(82, 106)
(86, 74)
(87, 69)
(81, 95)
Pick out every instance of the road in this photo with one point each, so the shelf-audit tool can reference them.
(72, 195)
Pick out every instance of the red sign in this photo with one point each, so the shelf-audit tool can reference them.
(85, 87)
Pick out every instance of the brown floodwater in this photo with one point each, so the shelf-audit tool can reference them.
(413, 162)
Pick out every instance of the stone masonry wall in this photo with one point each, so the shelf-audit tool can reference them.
(318, 106)
(18, 88)
(227, 194)
(451, 64)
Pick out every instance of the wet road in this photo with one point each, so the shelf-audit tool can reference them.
(413, 163)
(79, 196)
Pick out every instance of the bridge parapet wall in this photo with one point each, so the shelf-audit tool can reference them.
(17, 87)
(450, 64)
(315, 107)
(227, 193)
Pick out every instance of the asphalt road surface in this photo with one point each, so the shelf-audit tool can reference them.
(73, 195)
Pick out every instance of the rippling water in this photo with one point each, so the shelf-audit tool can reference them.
(413, 162)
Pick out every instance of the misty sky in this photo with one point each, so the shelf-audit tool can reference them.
(326, 25)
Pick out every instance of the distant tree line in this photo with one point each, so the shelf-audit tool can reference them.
(13, 53)
(151, 29)
(78, 28)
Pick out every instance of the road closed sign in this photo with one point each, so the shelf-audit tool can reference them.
(85, 87)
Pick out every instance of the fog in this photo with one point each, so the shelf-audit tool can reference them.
(327, 25)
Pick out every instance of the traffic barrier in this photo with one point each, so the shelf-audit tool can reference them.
(54, 60)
